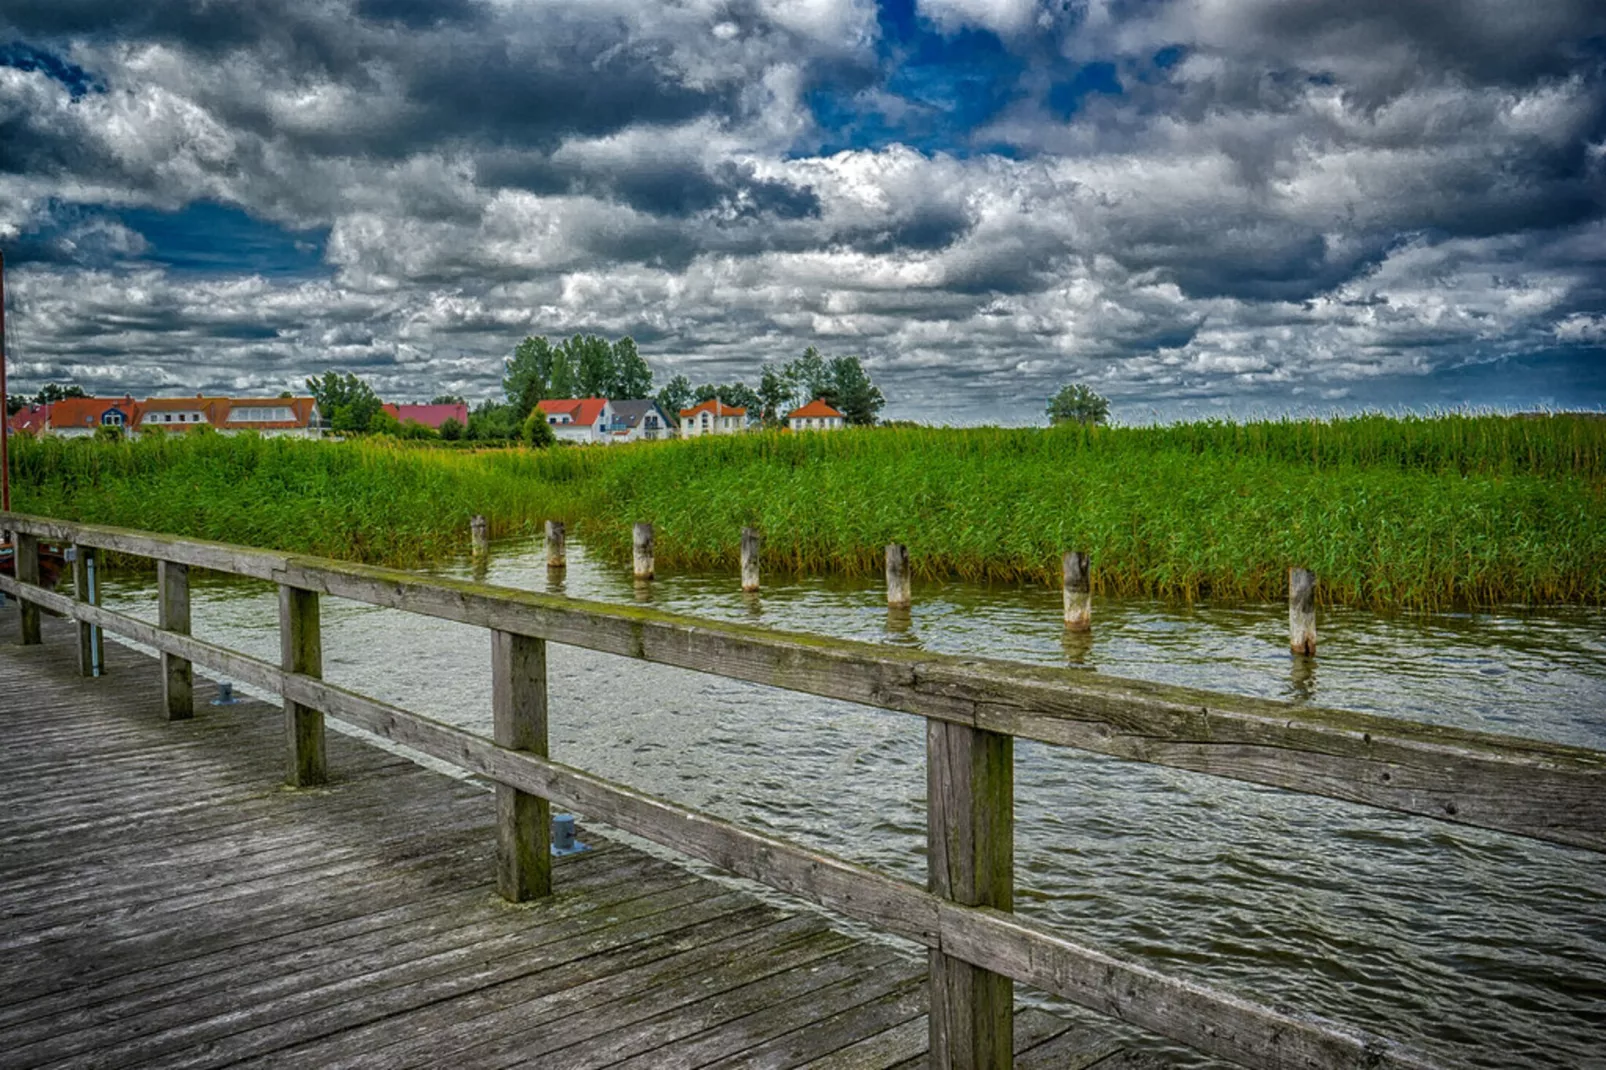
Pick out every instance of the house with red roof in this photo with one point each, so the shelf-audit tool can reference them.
(578, 419)
(816, 416)
(712, 417)
(431, 416)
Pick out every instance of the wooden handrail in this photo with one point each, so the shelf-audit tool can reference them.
(1546, 791)
(973, 706)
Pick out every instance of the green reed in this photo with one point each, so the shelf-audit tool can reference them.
(1391, 512)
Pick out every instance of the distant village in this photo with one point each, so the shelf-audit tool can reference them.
(574, 420)
(582, 390)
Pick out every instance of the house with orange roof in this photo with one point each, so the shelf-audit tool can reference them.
(272, 417)
(179, 414)
(712, 417)
(816, 416)
(582, 420)
(76, 417)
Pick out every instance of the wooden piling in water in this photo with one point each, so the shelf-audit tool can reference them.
(751, 543)
(641, 544)
(556, 555)
(480, 530)
(1302, 611)
(1078, 592)
(898, 595)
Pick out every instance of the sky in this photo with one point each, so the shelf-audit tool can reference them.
(1196, 207)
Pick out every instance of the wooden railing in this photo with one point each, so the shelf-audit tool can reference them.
(974, 709)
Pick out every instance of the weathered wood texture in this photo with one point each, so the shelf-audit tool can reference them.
(301, 652)
(479, 532)
(1078, 591)
(173, 615)
(196, 917)
(1000, 943)
(751, 545)
(557, 555)
(1302, 612)
(519, 722)
(641, 550)
(970, 838)
(1532, 788)
(86, 588)
(898, 596)
(25, 548)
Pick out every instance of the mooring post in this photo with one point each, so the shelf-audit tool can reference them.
(301, 651)
(173, 615)
(898, 576)
(480, 534)
(86, 589)
(1078, 592)
(556, 555)
(751, 545)
(970, 835)
(25, 556)
(519, 722)
(1302, 611)
(641, 540)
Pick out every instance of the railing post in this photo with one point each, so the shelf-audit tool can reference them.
(25, 551)
(519, 722)
(86, 589)
(970, 832)
(301, 651)
(173, 615)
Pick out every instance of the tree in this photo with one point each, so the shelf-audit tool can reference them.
(451, 430)
(15, 403)
(676, 395)
(852, 392)
(348, 402)
(737, 395)
(51, 393)
(529, 374)
(631, 376)
(380, 423)
(593, 366)
(448, 399)
(491, 422)
(537, 432)
(1079, 403)
(565, 382)
(775, 394)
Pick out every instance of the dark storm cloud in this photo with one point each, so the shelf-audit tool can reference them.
(1192, 200)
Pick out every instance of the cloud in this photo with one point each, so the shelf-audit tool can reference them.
(1187, 203)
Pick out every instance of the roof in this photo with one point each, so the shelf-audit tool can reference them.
(429, 415)
(580, 410)
(30, 419)
(300, 410)
(631, 412)
(813, 408)
(177, 404)
(714, 407)
(86, 412)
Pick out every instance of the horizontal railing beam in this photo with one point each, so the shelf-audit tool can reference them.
(1203, 1018)
(1541, 790)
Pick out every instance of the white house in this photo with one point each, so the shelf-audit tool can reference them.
(640, 419)
(712, 417)
(816, 416)
(579, 419)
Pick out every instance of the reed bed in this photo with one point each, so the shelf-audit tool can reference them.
(1417, 513)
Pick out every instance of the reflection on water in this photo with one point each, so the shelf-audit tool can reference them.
(1477, 947)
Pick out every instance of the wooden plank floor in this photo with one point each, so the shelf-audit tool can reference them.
(164, 902)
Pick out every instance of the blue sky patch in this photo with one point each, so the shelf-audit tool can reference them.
(25, 57)
(215, 239)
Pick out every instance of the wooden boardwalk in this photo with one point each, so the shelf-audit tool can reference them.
(163, 902)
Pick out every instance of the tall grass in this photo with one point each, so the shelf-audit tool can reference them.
(1414, 512)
